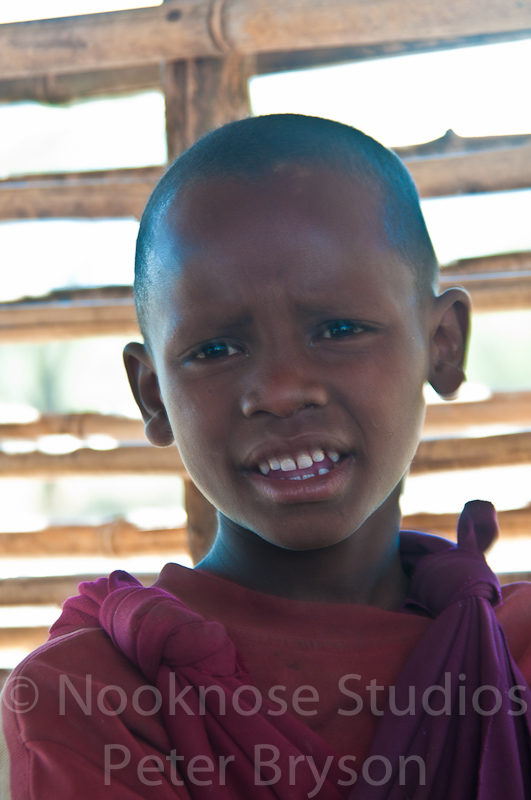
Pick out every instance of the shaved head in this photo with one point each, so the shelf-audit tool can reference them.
(251, 149)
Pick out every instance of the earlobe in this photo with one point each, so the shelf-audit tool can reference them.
(449, 342)
(146, 391)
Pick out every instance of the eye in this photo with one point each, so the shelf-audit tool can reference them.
(341, 328)
(214, 350)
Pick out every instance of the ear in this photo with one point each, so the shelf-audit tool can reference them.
(145, 387)
(449, 341)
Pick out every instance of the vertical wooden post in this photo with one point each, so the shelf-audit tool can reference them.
(202, 521)
(202, 94)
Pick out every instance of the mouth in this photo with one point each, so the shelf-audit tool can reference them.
(308, 474)
(301, 466)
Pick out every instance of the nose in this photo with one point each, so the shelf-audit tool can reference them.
(282, 389)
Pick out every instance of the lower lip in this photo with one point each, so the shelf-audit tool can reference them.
(312, 490)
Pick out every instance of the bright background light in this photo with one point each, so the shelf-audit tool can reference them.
(405, 100)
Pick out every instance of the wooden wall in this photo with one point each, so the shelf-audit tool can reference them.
(201, 55)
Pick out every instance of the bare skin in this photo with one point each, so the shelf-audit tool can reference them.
(286, 325)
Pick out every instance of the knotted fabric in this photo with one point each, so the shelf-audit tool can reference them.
(456, 726)
(474, 735)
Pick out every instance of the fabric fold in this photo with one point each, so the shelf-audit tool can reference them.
(457, 725)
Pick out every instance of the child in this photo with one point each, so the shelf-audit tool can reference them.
(286, 290)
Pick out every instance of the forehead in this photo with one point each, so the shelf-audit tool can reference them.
(302, 232)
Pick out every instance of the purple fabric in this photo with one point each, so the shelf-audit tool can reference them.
(469, 755)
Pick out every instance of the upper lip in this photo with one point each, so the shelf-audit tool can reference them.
(276, 447)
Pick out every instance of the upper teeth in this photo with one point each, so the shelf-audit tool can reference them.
(301, 461)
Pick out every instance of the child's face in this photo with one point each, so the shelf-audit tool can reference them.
(286, 326)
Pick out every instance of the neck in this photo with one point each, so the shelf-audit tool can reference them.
(364, 568)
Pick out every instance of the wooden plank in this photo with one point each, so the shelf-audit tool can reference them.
(497, 283)
(180, 29)
(24, 638)
(117, 539)
(500, 264)
(433, 455)
(452, 143)
(513, 523)
(143, 460)
(123, 193)
(502, 408)
(51, 590)
(496, 170)
(110, 194)
(283, 61)
(441, 455)
(63, 89)
(279, 25)
(202, 521)
(202, 94)
(122, 429)
(514, 577)
(57, 320)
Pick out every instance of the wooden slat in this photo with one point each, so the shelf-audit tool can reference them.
(111, 194)
(440, 455)
(51, 590)
(24, 638)
(513, 523)
(144, 460)
(176, 29)
(53, 321)
(497, 283)
(62, 89)
(452, 143)
(124, 193)
(433, 455)
(502, 408)
(181, 29)
(500, 264)
(496, 170)
(81, 425)
(118, 538)
(514, 577)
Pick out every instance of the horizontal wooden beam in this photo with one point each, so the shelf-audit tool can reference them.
(493, 170)
(111, 194)
(433, 455)
(64, 88)
(23, 638)
(116, 539)
(180, 29)
(499, 283)
(143, 460)
(502, 408)
(60, 89)
(51, 590)
(123, 429)
(442, 455)
(124, 193)
(56, 320)
(513, 523)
